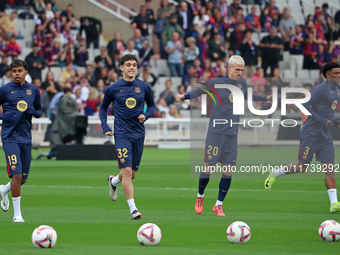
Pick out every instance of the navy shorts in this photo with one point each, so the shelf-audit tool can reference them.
(18, 157)
(322, 147)
(129, 152)
(220, 148)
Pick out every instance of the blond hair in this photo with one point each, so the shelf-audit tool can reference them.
(236, 60)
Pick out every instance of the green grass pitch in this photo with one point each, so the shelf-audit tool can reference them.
(72, 197)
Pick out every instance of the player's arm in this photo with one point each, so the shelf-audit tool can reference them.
(195, 93)
(35, 110)
(336, 123)
(151, 106)
(103, 112)
(316, 96)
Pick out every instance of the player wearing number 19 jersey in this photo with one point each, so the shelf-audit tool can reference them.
(128, 96)
(20, 101)
(315, 137)
(221, 140)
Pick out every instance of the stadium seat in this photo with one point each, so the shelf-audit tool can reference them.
(286, 56)
(43, 73)
(162, 66)
(303, 74)
(283, 65)
(56, 70)
(82, 69)
(314, 74)
(281, 4)
(289, 74)
(176, 81)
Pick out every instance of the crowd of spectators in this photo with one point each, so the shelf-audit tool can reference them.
(196, 40)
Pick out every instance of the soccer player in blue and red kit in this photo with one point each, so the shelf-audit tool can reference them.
(221, 141)
(20, 101)
(315, 136)
(128, 96)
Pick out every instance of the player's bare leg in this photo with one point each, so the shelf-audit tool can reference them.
(330, 183)
(127, 174)
(202, 184)
(291, 168)
(16, 183)
(223, 189)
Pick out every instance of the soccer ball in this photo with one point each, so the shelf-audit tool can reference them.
(238, 232)
(149, 234)
(44, 237)
(329, 231)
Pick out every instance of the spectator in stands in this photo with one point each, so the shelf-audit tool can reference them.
(116, 44)
(321, 78)
(81, 103)
(274, 12)
(7, 77)
(237, 18)
(220, 69)
(168, 95)
(49, 11)
(266, 19)
(93, 30)
(210, 8)
(3, 65)
(81, 55)
(185, 17)
(286, 27)
(259, 82)
(148, 77)
(175, 48)
(332, 38)
(57, 21)
(275, 81)
(91, 102)
(161, 105)
(131, 49)
(53, 55)
(9, 24)
(39, 6)
(35, 63)
(203, 46)
(66, 73)
(195, 7)
(100, 86)
(67, 54)
(233, 7)
(2, 47)
(173, 113)
(320, 23)
(3, 5)
(185, 104)
(112, 77)
(102, 60)
(70, 18)
(12, 47)
(248, 50)
(49, 34)
(67, 34)
(271, 46)
(207, 70)
(149, 11)
(337, 17)
(236, 38)
(146, 53)
(137, 39)
(323, 12)
(50, 86)
(165, 11)
(172, 27)
(187, 79)
(218, 24)
(253, 21)
(313, 47)
(190, 53)
(200, 20)
(143, 23)
(296, 49)
(3, 33)
(216, 49)
(38, 37)
(45, 101)
(116, 61)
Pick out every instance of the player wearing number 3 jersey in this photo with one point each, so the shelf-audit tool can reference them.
(128, 96)
(20, 101)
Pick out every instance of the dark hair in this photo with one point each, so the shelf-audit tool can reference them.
(328, 67)
(324, 6)
(67, 89)
(17, 63)
(127, 57)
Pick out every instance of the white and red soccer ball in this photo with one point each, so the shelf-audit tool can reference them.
(238, 232)
(329, 231)
(149, 234)
(44, 237)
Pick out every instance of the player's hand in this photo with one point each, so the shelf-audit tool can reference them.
(179, 98)
(329, 122)
(270, 98)
(109, 133)
(141, 118)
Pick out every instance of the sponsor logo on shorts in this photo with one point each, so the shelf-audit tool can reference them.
(209, 157)
(29, 92)
(304, 157)
(13, 167)
(22, 106)
(122, 160)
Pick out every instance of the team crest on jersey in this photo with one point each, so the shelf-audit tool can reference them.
(13, 168)
(122, 160)
(29, 92)
(137, 89)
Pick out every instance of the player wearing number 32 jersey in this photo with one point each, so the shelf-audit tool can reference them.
(20, 101)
